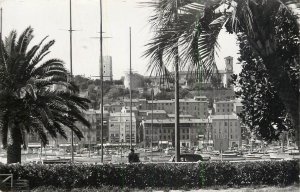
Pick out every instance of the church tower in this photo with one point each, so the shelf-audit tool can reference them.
(228, 70)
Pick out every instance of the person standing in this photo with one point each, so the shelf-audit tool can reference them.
(133, 157)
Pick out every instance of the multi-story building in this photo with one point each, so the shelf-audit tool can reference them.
(226, 131)
(140, 104)
(92, 135)
(197, 108)
(113, 107)
(107, 68)
(163, 131)
(224, 107)
(119, 128)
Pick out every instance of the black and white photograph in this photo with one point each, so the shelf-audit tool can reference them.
(150, 95)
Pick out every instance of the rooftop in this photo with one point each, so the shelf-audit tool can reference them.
(93, 111)
(119, 114)
(169, 120)
(181, 115)
(180, 100)
(222, 117)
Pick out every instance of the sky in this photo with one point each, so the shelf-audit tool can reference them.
(51, 18)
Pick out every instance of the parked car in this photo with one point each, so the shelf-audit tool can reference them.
(188, 158)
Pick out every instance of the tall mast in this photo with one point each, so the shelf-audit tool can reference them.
(130, 84)
(71, 71)
(101, 76)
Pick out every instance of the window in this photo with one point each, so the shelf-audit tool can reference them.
(223, 110)
(183, 136)
(169, 137)
(146, 132)
(111, 125)
(227, 110)
(225, 123)
(187, 136)
(164, 131)
(187, 130)
(230, 136)
(230, 123)
(235, 123)
(183, 131)
(169, 130)
(164, 137)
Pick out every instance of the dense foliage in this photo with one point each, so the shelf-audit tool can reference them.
(263, 110)
(191, 175)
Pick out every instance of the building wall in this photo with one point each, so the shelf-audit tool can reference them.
(226, 132)
(107, 68)
(119, 127)
(198, 109)
(224, 107)
(163, 130)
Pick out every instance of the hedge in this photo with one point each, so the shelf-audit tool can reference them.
(172, 175)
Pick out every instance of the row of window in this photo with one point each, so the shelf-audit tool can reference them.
(226, 123)
(165, 137)
(224, 110)
(228, 104)
(155, 131)
(225, 136)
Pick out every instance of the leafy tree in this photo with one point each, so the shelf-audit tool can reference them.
(35, 95)
(255, 20)
(264, 112)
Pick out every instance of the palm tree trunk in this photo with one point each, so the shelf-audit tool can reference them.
(287, 93)
(14, 145)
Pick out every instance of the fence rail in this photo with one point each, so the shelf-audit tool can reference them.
(6, 177)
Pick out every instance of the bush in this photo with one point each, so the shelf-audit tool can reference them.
(172, 175)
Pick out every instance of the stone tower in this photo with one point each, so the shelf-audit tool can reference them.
(228, 70)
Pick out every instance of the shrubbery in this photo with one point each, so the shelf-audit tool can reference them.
(191, 175)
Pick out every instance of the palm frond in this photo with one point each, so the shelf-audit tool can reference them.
(24, 41)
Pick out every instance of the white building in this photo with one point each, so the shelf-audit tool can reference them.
(119, 128)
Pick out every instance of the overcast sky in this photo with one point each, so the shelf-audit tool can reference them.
(51, 17)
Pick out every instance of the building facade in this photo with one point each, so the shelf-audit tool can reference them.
(226, 131)
(196, 108)
(119, 128)
(224, 107)
(163, 131)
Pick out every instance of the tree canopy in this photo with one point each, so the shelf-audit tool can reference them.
(37, 96)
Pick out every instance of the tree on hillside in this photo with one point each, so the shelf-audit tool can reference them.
(35, 95)
(255, 20)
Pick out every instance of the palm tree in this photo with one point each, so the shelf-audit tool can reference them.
(36, 96)
(255, 20)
